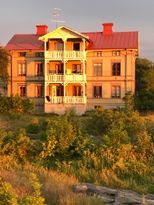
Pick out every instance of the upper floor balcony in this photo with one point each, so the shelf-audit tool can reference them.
(70, 78)
(65, 55)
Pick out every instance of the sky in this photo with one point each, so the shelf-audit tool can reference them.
(21, 17)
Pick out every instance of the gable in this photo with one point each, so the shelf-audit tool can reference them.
(62, 33)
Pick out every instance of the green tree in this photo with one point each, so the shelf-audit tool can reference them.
(4, 60)
(144, 84)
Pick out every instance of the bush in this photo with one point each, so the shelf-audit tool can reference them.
(7, 195)
(15, 104)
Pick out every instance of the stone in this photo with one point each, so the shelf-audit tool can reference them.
(114, 196)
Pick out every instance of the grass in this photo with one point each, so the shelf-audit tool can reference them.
(57, 188)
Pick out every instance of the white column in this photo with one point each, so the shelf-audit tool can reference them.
(84, 47)
(45, 71)
(64, 62)
(84, 66)
(64, 56)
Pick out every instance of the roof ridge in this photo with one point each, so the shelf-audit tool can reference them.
(26, 34)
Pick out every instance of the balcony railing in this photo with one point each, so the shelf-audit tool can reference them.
(72, 78)
(68, 55)
(75, 99)
(66, 99)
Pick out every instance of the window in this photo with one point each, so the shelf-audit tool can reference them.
(116, 91)
(22, 91)
(22, 54)
(97, 91)
(39, 91)
(39, 69)
(76, 90)
(98, 53)
(97, 69)
(116, 53)
(116, 69)
(76, 68)
(47, 45)
(59, 68)
(76, 46)
(39, 54)
(97, 106)
(60, 45)
(22, 68)
(59, 90)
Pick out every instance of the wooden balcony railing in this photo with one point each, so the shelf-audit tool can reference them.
(72, 78)
(68, 55)
(66, 99)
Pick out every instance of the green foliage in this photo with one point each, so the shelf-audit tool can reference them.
(62, 140)
(15, 104)
(4, 60)
(36, 199)
(144, 84)
(129, 101)
(17, 145)
(110, 147)
(7, 194)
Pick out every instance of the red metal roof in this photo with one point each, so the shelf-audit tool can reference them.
(25, 42)
(98, 40)
(116, 40)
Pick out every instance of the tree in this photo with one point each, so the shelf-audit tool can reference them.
(144, 84)
(4, 60)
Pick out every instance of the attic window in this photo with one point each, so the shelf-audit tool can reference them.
(22, 54)
(97, 53)
(116, 53)
(39, 54)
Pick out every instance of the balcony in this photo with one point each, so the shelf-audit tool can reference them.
(67, 55)
(66, 99)
(70, 78)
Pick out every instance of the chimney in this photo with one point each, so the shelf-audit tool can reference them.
(107, 28)
(41, 29)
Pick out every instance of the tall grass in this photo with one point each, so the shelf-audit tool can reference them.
(57, 188)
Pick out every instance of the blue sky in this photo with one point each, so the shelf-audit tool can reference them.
(21, 16)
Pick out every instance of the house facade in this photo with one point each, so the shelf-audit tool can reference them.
(66, 69)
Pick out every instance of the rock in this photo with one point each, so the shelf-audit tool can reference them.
(114, 196)
(81, 188)
(129, 197)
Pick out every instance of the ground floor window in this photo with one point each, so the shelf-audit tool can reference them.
(97, 90)
(22, 90)
(116, 92)
(39, 91)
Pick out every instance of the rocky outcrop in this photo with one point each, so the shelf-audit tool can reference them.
(114, 196)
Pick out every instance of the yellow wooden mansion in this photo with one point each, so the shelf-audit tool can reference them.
(66, 69)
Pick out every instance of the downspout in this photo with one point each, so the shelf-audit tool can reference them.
(125, 71)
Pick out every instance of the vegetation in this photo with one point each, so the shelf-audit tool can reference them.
(4, 60)
(144, 84)
(107, 147)
(15, 105)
